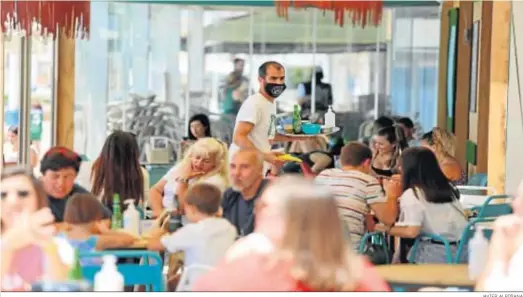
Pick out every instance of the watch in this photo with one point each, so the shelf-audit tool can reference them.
(182, 180)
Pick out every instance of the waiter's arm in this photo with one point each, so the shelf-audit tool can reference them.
(241, 135)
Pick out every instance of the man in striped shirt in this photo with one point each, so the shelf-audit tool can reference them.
(357, 191)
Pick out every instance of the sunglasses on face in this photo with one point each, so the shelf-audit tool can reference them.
(20, 193)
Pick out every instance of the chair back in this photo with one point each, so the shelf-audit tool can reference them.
(148, 273)
(468, 233)
(478, 179)
(191, 273)
(435, 237)
(489, 209)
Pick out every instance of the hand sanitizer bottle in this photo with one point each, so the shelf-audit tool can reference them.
(108, 279)
(330, 118)
(478, 251)
(131, 218)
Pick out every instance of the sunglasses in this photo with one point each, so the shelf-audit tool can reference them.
(62, 151)
(20, 193)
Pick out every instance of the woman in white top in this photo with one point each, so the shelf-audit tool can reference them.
(206, 161)
(11, 154)
(429, 204)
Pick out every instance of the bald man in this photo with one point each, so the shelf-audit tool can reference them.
(246, 175)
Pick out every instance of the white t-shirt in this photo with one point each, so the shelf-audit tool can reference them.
(171, 186)
(261, 112)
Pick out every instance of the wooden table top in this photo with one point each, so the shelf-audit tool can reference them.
(448, 275)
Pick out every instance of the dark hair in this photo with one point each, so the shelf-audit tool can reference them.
(396, 136)
(202, 118)
(83, 209)
(205, 197)
(407, 122)
(355, 153)
(428, 137)
(262, 70)
(60, 157)
(421, 170)
(117, 170)
(382, 122)
(13, 129)
(237, 60)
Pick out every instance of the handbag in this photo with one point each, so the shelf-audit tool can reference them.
(376, 249)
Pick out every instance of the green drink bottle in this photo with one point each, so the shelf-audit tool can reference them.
(296, 120)
(116, 219)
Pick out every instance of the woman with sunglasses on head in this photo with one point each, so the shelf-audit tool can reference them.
(59, 168)
(206, 161)
(117, 170)
(26, 243)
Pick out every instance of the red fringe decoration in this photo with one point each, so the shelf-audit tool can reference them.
(361, 12)
(67, 16)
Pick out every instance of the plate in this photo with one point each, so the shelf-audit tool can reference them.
(280, 130)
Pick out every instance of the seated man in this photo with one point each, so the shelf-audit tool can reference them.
(357, 192)
(247, 185)
(59, 168)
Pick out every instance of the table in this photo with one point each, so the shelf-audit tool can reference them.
(415, 276)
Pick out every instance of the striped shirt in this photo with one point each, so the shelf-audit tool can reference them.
(354, 191)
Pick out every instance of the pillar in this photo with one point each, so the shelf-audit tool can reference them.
(65, 92)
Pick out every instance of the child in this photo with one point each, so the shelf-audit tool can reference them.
(85, 229)
(206, 240)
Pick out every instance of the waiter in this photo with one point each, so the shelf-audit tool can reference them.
(255, 126)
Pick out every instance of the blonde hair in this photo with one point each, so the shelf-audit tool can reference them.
(443, 142)
(313, 238)
(209, 147)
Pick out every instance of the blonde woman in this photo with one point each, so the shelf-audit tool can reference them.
(205, 161)
(290, 249)
(441, 143)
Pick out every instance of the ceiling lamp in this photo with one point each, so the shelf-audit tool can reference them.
(360, 12)
(45, 18)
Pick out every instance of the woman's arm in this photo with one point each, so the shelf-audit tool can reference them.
(181, 192)
(156, 197)
(452, 170)
(405, 231)
(321, 161)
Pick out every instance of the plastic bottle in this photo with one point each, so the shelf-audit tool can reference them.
(108, 279)
(296, 120)
(131, 218)
(330, 118)
(116, 219)
(478, 251)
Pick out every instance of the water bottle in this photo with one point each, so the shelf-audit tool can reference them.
(330, 118)
(478, 251)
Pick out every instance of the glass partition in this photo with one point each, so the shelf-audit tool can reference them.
(147, 68)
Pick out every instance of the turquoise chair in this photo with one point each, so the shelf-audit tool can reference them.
(469, 232)
(478, 179)
(435, 237)
(149, 273)
(377, 238)
(493, 210)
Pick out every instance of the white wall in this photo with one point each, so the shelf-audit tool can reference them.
(514, 165)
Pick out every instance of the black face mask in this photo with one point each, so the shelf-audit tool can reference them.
(274, 90)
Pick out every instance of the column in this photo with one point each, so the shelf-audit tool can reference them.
(139, 47)
(196, 52)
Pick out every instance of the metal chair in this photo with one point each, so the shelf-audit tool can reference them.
(478, 179)
(149, 273)
(494, 209)
(435, 237)
(377, 238)
(468, 233)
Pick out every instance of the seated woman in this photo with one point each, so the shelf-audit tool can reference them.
(441, 143)
(199, 127)
(387, 146)
(11, 153)
(206, 161)
(27, 233)
(318, 159)
(85, 229)
(117, 171)
(429, 204)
